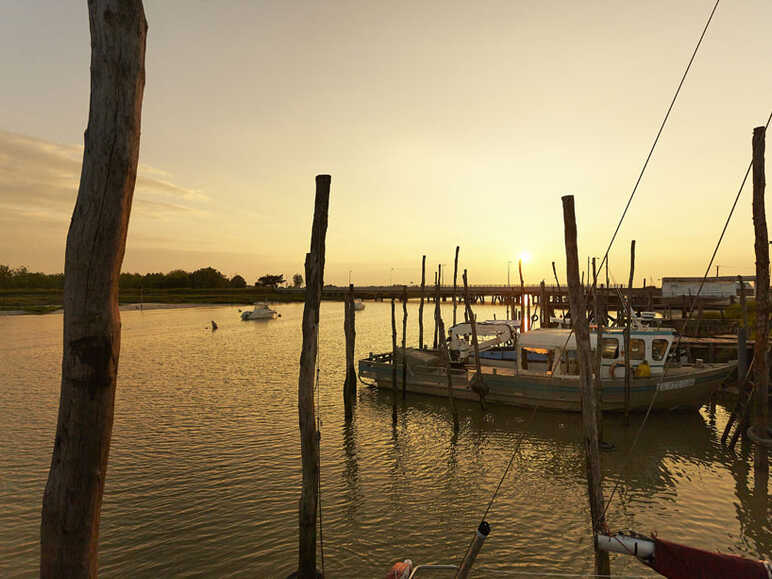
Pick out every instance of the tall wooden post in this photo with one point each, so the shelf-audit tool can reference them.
(478, 384)
(760, 365)
(455, 283)
(544, 306)
(445, 357)
(404, 342)
(523, 324)
(742, 335)
(72, 501)
(628, 322)
(436, 303)
(421, 305)
(589, 408)
(349, 329)
(598, 350)
(309, 435)
(394, 361)
(555, 272)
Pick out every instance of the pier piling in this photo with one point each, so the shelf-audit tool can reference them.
(404, 342)
(421, 305)
(349, 329)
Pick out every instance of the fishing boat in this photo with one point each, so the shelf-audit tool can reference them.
(544, 372)
(260, 312)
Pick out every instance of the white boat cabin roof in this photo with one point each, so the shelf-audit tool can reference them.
(554, 338)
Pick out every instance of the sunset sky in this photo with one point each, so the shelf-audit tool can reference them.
(441, 123)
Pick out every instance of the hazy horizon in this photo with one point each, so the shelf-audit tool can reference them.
(441, 125)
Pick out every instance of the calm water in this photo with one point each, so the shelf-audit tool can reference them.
(205, 464)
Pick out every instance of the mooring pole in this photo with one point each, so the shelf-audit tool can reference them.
(404, 342)
(349, 329)
(589, 409)
(628, 322)
(445, 358)
(436, 301)
(523, 324)
(598, 350)
(760, 420)
(455, 283)
(742, 337)
(421, 305)
(544, 306)
(393, 364)
(477, 381)
(309, 435)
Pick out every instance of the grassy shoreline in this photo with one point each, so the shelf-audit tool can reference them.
(41, 301)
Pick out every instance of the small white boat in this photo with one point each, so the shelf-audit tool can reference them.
(261, 312)
(358, 305)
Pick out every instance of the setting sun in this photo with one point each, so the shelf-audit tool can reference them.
(525, 256)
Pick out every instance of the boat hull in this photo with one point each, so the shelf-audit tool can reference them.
(680, 388)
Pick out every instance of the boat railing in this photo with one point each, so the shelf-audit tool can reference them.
(432, 568)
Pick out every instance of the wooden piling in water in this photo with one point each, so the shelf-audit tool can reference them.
(589, 408)
(421, 305)
(628, 321)
(742, 335)
(478, 385)
(544, 310)
(445, 358)
(309, 435)
(455, 283)
(349, 329)
(394, 359)
(436, 302)
(760, 419)
(404, 342)
(598, 350)
(523, 325)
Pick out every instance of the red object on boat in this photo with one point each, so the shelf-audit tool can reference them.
(400, 570)
(681, 562)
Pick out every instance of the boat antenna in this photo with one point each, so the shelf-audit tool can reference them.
(659, 132)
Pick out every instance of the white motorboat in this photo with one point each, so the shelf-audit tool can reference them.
(260, 312)
(358, 305)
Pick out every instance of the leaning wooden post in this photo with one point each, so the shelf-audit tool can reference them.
(628, 322)
(555, 272)
(455, 283)
(589, 408)
(349, 329)
(760, 365)
(478, 384)
(309, 435)
(598, 349)
(436, 303)
(523, 324)
(72, 501)
(404, 342)
(742, 335)
(394, 360)
(445, 358)
(421, 305)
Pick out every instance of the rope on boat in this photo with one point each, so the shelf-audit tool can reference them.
(656, 139)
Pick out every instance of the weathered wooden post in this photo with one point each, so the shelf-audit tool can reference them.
(445, 357)
(309, 435)
(404, 342)
(598, 350)
(421, 305)
(455, 283)
(544, 306)
(72, 501)
(436, 302)
(478, 384)
(742, 335)
(394, 360)
(589, 409)
(349, 329)
(524, 326)
(760, 419)
(628, 322)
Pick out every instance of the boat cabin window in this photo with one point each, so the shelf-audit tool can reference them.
(658, 349)
(610, 348)
(538, 359)
(637, 349)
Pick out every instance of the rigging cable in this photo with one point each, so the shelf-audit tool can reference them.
(656, 139)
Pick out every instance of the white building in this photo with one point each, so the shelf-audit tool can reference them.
(724, 286)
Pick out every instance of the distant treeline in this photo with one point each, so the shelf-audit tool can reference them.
(206, 277)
